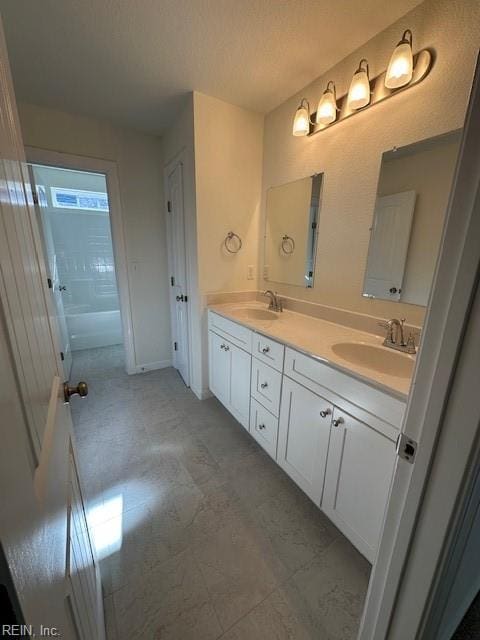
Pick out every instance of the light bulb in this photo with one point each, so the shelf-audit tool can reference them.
(400, 67)
(327, 107)
(301, 122)
(359, 92)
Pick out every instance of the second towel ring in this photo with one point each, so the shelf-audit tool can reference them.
(227, 242)
(288, 245)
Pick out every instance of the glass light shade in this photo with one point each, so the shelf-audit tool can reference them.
(359, 92)
(301, 122)
(327, 109)
(400, 67)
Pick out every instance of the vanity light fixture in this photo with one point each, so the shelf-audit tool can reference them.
(301, 122)
(327, 106)
(404, 71)
(359, 92)
(400, 68)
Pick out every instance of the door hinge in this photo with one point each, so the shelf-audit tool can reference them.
(49, 282)
(62, 356)
(406, 448)
(35, 197)
(169, 206)
(185, 298)
(175, 346)
(314, 225)
(172, 281)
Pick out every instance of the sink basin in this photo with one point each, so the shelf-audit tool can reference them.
(376, 358)
(253, 313)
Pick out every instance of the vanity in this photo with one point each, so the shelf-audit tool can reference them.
(305, 389)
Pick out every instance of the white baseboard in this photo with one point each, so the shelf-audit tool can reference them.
(151, 366)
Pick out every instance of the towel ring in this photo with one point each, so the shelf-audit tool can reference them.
(288, 245)
(227, 242)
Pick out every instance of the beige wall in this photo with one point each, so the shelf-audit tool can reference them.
(228, 177)
(428, 172)
(350, 153)
(139, 160)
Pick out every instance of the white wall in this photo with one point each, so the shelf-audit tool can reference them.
(228, 179)
(139, 161)
(350, 153)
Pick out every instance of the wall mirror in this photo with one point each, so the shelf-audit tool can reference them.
(412, 198)
(291, 231)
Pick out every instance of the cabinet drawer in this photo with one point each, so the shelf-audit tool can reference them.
(236, 333)
(266, 385)
(268, 351)
(371, 405)
(264, 428)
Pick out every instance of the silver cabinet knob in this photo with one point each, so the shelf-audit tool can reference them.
(261, 427)
(222, 346)
(264, 385)
(265, 349)
(325, 413)
(227, 348)
(338, 422)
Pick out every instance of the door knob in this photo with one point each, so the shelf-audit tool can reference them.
(81, 389)
(179, 298)
(62, 287)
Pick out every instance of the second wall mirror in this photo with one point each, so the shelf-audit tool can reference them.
(291, 231)
(412, 198)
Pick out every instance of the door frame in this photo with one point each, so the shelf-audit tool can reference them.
(178, 159)
(108, 168)
(402, 585)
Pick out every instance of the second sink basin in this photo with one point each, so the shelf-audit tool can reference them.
(376, 358)
(254, 313)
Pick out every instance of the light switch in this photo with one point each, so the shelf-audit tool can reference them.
(250, 272)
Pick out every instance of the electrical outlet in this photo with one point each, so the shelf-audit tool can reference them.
(250, 272)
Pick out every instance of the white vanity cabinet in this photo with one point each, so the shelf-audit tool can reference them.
(303, 437)
(331, 432)
(359, 471)
(229, 372)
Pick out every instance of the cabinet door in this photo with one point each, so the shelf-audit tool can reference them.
(219, 373)
(264, 427)
(357, 482)
(239, 403)
(303, 437)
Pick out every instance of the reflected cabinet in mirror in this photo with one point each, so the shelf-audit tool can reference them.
(412, 198)
(291, 231)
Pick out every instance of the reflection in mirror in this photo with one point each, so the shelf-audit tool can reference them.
(412, 198)
(291, 231)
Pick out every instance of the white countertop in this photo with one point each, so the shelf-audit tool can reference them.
(316, 337)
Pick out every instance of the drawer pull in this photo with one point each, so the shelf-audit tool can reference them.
(264, 385)
(261, 427)
(338, 422)
(325, 413)
(265, 349)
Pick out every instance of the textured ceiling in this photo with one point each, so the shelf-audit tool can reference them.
(133, 61)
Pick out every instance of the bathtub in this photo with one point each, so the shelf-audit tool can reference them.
(94, 329)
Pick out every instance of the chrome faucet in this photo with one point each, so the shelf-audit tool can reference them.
(275, 302)
(395, 337)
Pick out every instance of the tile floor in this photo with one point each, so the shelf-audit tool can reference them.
(201, 536)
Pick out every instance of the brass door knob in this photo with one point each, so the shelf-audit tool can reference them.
(81, 389)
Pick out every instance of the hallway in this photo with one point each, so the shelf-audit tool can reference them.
(199, 534)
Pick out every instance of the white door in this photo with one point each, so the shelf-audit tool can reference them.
(36, 424)
(57, 289)
(389, 241)
(178, 272)
(360, 467)
(303, 437)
